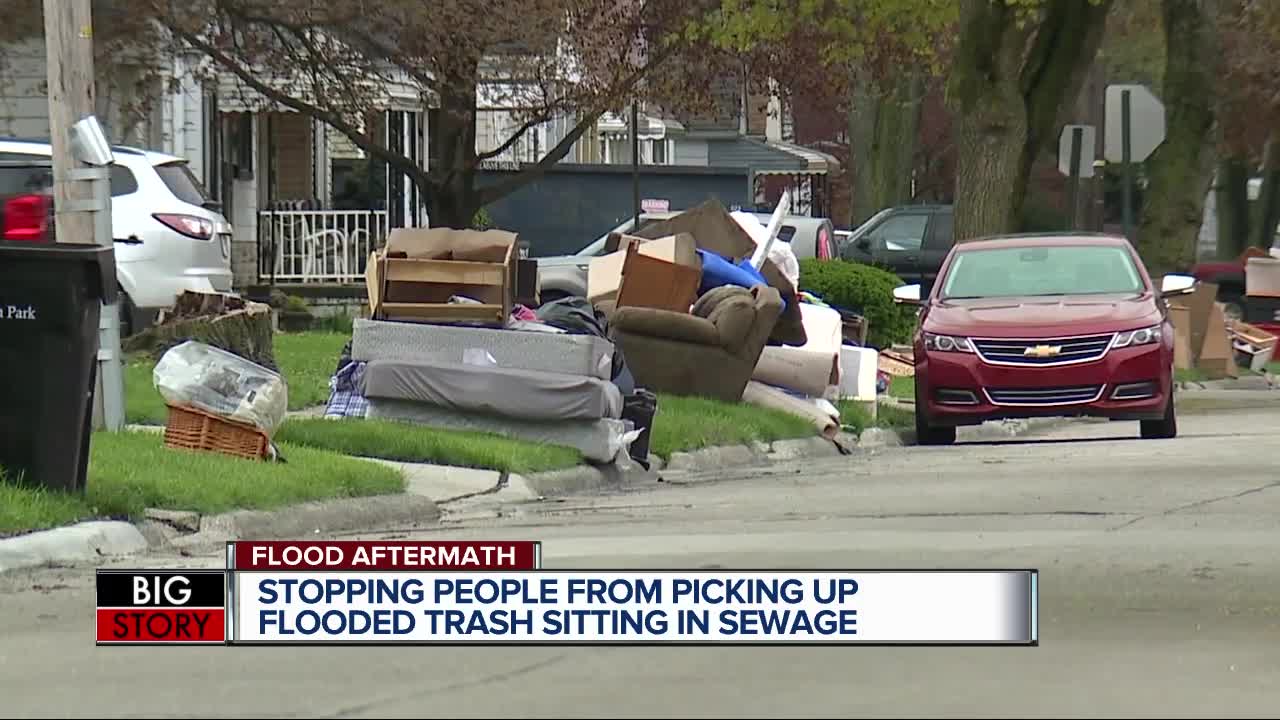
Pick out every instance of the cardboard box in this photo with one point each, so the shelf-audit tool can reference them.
(414, 277)
(666, 271)
(1217, 356)
(1180, 316)
(663, 274)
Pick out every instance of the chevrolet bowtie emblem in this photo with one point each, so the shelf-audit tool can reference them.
(1042, 351)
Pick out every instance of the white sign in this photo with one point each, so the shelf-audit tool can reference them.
(1087, 150)
(1146, 123)
(653, 205)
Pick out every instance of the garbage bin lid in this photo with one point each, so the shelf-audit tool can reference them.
(103, 258)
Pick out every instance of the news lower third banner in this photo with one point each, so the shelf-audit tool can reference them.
(455, 593)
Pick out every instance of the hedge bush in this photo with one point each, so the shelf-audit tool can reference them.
(864, 289)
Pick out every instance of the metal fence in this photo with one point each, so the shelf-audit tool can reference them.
(323, 246)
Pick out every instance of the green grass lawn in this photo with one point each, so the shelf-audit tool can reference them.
(855, 418)
(132, 471)
(685, 423)
(414, 443)
(306, 360)
(902, 387)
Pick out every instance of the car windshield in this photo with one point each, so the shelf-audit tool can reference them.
(182, 183)
(597, 247)
(1032, 271)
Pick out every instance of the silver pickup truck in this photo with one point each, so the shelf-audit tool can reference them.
(566, 275)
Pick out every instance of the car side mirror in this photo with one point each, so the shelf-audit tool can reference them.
(863, 244)
(1177, 285)
(907, 294)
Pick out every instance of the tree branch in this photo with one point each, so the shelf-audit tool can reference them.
(515, 137)
(334, 120)
(501, 189)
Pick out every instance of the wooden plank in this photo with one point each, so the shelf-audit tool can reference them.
(454, 272)
(443, 311)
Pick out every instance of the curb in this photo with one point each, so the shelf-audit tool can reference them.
(1250, 382)
(312, 518)
(96, 540)
(576, 480)
(91, 540)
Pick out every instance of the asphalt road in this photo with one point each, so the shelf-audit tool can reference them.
(1160, 596)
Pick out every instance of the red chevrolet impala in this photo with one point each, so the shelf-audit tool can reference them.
(1043, 325)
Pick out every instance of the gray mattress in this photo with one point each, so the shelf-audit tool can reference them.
(523, 394)
(519, 349)
(600, 441)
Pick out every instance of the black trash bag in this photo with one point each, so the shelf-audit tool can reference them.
(574, 315)
(577, 316)
(641, 407)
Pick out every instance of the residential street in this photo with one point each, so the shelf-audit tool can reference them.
(1160, 580)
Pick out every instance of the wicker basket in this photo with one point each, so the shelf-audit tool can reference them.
(193, 429)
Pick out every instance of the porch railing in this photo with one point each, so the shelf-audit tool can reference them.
(328, 246)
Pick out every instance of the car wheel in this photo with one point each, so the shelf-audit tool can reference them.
(927, 434)
(125, 307)
(1164, 428)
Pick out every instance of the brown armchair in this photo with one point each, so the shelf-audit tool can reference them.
(710, 352)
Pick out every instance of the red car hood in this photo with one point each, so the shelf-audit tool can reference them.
(1057, 316)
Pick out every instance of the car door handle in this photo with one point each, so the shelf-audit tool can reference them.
(131, 240)
(913, 258)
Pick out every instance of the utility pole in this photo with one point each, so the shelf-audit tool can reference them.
(81, 193)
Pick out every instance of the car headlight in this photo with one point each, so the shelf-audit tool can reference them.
(947, 343)
(1142, 336)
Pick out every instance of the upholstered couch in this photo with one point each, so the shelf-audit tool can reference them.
(710, 352)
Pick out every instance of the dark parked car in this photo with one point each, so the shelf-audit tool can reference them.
(910, 241)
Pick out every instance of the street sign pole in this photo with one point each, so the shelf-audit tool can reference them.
(1126, 163)
(1073, 187)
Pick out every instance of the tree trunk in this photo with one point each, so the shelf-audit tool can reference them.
(990, 183)
(897, 124)
(911, 109)
(454, 201)
(864, 113)
(1267, 214)
(1010, 80)
(1233, 207)
(1181, 169)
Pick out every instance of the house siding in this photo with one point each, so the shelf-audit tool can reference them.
(692, 152)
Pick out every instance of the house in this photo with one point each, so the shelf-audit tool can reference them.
(747, 130)
(307, 205)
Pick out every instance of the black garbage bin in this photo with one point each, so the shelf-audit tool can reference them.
(51, 297)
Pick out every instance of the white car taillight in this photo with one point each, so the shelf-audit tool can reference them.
(189, 225)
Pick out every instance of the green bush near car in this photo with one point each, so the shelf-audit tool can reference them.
(863, 289)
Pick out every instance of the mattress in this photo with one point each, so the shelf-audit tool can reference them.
(600, 441)
(523, 394)
(568, 354)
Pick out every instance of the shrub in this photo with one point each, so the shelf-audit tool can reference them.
(293, 303)
(865, 290)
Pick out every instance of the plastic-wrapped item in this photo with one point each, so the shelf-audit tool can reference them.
(224, 384)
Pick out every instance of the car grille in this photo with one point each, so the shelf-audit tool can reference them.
(1068, 350)
(1044, 396)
